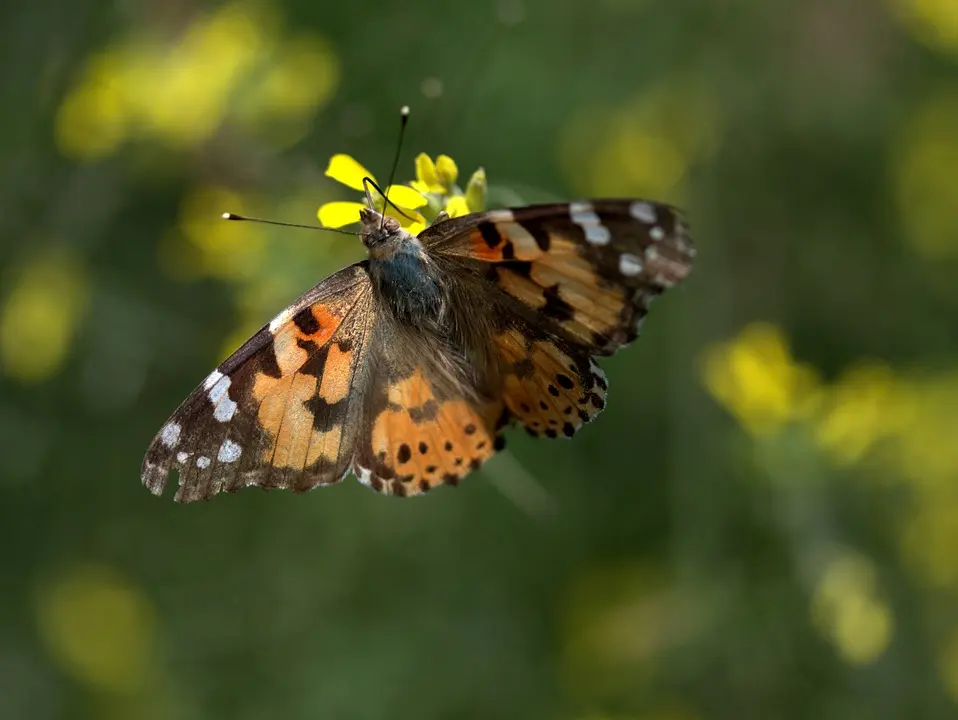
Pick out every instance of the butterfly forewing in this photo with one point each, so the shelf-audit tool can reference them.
(590, 267)
(276, 412)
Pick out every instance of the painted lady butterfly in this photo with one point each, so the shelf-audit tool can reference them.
(405, 368)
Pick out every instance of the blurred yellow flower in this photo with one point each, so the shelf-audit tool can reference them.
(756, 379)
(644, 147)
(217, 248)
(99, 627)
(181, 91)
(867, 404)
(40, 316)
(848, 610)
(932, 22)
(925, 171)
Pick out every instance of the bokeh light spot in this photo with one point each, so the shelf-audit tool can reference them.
(847, 609)
(98, 626)
(40, 316)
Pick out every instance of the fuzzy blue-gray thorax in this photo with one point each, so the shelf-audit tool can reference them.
(401, 270)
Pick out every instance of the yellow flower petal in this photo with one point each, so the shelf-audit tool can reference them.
(345, 169)
(420, 187)
(415, 228)
(426, 174)
(457, 206)
(338, 214)
(446, 170)
(406, 197)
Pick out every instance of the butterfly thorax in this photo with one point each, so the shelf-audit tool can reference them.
(401, 271)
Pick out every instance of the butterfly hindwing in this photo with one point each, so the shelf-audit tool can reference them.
(423, 426)
(550, 387)
(592, 268)
(277, 412)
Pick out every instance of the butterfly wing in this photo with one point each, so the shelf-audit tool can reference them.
(592, 268)
(575, 280)
(278, 413)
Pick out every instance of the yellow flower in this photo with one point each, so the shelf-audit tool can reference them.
(433, 191)
(476, 191)
(756, 378)
(446, 170)
(437, 177)
(437, 181)
(351, 173)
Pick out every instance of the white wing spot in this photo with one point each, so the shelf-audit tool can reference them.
(202, 462)
(657, 233)
(500, 216)
(170, 434)
(219, 389)
(363, 475)
(223, 405)
(182, 457)
(583, 215)
(643, 212)
(211, 379)
(277, 322)
(229, 452)
(598, 372)
(629, 265)
(224, 410)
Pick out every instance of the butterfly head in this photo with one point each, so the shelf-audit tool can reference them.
(381, 235)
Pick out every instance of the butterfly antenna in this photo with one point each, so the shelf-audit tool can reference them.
(403, 119)
(367, 182)
(234, 216)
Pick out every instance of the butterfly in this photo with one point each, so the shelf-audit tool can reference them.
(404, 369)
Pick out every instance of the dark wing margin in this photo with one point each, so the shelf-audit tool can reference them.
(277, 412)
(592, 268)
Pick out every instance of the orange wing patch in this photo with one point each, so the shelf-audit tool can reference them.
(420, 439)
(549, 273)
(546, 389)
(566, 287)
(310, 365)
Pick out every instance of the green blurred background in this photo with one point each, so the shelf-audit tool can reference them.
(763, 523)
